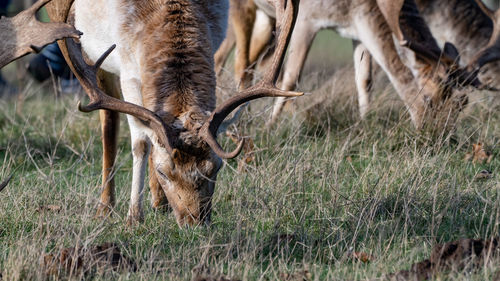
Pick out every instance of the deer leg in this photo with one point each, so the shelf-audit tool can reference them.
(300, 43)
(363, 76)
(110, 124)
(158, 198)
(131, 89)
(224, 50)
(242, 15)
(377, 38)
(140, 151)
(261, 35)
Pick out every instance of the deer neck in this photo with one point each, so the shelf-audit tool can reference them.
(177, 73)
(460, 22)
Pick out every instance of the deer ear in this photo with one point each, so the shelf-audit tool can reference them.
(451, 51)
(176, 156)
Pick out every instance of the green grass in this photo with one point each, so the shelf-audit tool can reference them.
(324, 183)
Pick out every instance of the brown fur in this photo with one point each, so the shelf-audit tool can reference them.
(110, 125)
(242, 16)
(158, 199)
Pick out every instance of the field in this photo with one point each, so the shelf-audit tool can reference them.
(323, 186)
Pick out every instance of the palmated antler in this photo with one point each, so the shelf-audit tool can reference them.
(87, 75)
(286, 14)
(24, 34)
(491, 52)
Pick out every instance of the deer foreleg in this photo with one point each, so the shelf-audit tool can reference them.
(224, 50)
(378, 40)
(110, 124)
(140, 137)
(300, 43)
(242, 16)
(363, 77)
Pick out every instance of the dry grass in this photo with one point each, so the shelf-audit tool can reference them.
(324, 184)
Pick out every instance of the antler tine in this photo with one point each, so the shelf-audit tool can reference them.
(87, 75)
(286, 14)
(491, 52)
(24, 34)
(392, 11)
(489, 12)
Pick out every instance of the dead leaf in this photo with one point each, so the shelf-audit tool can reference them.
(479, 154)
(51, 208)
(362, 257)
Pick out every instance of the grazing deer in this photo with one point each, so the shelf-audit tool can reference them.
(164, 60)
(467, 24)
(24, 34)
(375, 24)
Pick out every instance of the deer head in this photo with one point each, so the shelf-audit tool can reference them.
(187, 156)
(24, 34)
(438, 73)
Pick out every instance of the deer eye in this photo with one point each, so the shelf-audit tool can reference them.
(162, 174)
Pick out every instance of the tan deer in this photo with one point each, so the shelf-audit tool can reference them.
(164, 60)
(467, 24)
(374, 23)
(24, 34)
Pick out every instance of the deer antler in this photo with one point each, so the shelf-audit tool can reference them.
(491, 52)
(404, 13)
(87, 75)
(5, 183)
(410, 29)
(489, 12)
(24, 34)
(286, 12)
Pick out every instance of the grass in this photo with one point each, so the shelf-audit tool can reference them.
(324, 184)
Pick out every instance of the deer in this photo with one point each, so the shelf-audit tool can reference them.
(164, 59)
(24, 34)
(377, 28)
(467, 24)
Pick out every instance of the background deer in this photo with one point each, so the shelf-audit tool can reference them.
(164, 60)
(467, 24)
(411, 72)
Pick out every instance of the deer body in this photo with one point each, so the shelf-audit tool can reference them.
(178, 85)
(164, 60)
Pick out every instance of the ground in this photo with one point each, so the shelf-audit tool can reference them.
(324, 185)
